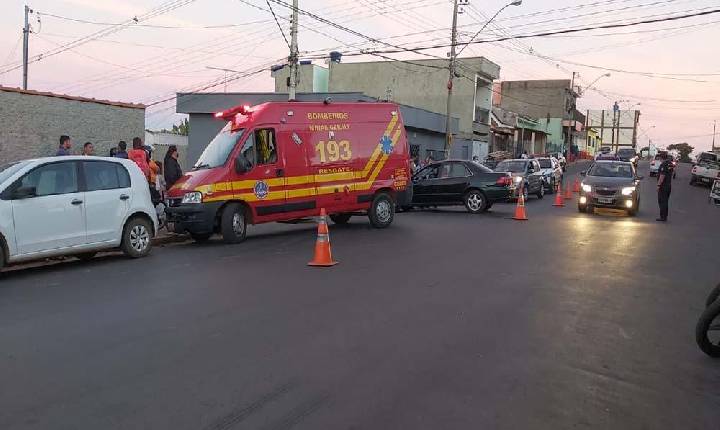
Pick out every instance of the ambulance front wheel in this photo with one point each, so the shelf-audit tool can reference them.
(233, 223)
(382, 211)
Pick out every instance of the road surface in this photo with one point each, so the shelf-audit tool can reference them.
(444, 321)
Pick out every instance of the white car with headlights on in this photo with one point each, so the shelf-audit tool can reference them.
(610, 184)
(74, 206)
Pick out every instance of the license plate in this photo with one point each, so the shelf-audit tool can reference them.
(606, 200)
(706, 180)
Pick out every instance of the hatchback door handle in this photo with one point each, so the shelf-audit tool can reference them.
(280, 173)
(124, 197)
(77, 202)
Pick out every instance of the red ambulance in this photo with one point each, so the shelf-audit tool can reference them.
(283, 161)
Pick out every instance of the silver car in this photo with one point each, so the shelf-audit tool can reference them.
(552, 173)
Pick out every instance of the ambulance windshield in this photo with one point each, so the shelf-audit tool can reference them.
(217, 152)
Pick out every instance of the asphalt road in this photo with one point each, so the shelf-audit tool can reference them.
(444, 321)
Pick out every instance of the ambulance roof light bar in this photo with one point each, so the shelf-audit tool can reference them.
(227, 114)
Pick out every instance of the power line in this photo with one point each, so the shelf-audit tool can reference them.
(160, 10)
(543, 34)
(277, 22)
(182, 27)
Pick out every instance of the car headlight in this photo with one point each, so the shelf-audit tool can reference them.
(518, 179)
(627, 191)
(193, 197)
(587, 188)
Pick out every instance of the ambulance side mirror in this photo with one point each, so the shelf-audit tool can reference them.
(242, 165)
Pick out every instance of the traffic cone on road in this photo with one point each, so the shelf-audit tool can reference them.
(576, 186)
(323, 255)
(559, 197)
(520, 209)
(568, 193)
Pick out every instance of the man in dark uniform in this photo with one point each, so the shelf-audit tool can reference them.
(664, 186)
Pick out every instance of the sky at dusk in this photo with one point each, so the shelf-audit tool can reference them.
(671, 69)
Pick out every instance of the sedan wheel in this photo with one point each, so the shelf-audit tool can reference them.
(475, 202)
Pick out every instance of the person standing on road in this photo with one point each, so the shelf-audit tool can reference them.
(172, 169)
(88, 149)
(65, 146)
(121, 150)
(664, 186)
(524, 155)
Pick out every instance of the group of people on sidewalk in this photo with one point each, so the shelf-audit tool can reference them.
(160, 175)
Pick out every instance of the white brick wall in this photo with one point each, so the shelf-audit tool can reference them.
(31, 125)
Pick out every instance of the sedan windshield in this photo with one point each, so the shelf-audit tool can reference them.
(626, 152)
(545, 163)
(612, 170)
(217, 152)
(511, 166)
(9, 169)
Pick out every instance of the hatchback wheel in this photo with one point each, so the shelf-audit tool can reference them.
(233, 225)
(541, 192)
(137, 238)
(475, 202)
(382, 211)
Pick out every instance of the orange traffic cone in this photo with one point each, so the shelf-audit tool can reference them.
(323, 255)
(520, 209)
(568, 193)
(576, 186)
(559, 197)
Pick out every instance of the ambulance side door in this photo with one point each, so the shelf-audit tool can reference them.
(299, 185)
(263, 183)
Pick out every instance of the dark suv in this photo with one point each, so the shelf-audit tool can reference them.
(628, 154)
(526, 172)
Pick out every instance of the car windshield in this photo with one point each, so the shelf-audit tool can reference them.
(217, 152)
(513, 166)
(9, 169)
(545, 163)
(626, 152)
(705, 157)
(611, 170)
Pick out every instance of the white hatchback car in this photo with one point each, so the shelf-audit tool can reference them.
(74, 206)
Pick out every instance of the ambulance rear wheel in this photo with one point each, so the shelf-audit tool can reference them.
(233, 223)
(382, 211)
(340, 219)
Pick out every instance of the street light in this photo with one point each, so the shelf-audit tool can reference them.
(606, 75)
(453, 57)
(513, 3)
(223, 70)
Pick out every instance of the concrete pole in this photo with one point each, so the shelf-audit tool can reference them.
(714, 128)
(451, 67)
(26, 46)
(293, 59)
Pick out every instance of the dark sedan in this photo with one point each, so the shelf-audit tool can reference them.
(455, 182)
(610, 184)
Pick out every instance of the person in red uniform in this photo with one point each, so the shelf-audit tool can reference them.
(139, 156)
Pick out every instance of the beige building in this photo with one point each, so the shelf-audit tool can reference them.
(31, 123)
(417, 83)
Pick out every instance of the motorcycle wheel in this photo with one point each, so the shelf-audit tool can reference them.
(707, 331)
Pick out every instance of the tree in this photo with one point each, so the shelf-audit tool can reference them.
(684, 149)
(183, 128)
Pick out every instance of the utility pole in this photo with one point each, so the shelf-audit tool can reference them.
(714, 128)
(451, 67)
(294, 54)
(26, 45)
(571, 111)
